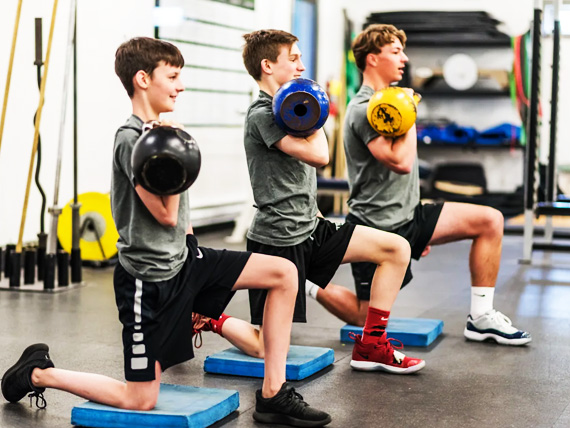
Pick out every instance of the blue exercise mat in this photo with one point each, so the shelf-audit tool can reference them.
(302, 361)
(410, 331)
(177, 406)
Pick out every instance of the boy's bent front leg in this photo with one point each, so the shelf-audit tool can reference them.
(484, 225)
(390, 252)
(280, 278)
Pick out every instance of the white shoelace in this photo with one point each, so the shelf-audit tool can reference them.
(500, 318)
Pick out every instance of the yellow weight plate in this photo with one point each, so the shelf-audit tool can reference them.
(98, 234)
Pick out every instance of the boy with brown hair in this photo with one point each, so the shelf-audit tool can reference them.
(287, 222)
(163, 275)
(384, 194)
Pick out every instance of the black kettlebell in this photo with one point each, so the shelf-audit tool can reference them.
(166, 160)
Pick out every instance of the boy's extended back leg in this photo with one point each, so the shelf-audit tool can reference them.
(35, 371)
(343, 303)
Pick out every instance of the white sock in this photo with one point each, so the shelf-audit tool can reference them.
(481, 300)
(311, 289)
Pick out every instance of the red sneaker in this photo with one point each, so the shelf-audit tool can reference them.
(382, 356)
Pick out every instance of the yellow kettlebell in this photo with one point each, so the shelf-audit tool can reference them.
(391, 111)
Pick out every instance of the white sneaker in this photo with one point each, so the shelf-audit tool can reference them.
(496, 326)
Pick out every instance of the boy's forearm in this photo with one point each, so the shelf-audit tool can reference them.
(319, 143)
(171, 203)
(405, 148)
(163, 208)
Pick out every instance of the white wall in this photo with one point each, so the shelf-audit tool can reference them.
(103, 105)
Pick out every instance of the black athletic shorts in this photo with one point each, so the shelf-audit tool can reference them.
(157, 316)
(317, 259)
(417, 231)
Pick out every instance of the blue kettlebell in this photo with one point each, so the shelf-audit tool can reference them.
(300, 107)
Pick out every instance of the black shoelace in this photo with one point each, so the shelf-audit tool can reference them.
(39, 396)
(296, 401)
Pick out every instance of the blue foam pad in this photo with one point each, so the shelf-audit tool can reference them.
(302, 361)
(177, 406)
(410, 331)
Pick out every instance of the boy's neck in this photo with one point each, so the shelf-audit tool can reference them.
(144, 110)
(268, 86)
(374, 81)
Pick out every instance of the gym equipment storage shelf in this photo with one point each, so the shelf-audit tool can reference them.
(462, 94)
(469, 146)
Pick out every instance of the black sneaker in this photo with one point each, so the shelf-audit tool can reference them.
(17, 381)
(288, 408)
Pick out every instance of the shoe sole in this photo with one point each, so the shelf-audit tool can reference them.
(278, 418)
(481, 337)
(25, 355)
(369, 366)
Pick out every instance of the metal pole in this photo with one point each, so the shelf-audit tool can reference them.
(55, 210)
(42, 236)
(551, 195)
(62, 121)
(10, 64)
(551, 182)
(531, 182)
(76, 272)
(19, 245)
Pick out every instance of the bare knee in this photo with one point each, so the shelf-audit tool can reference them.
(391, 248)
(492, 222)
(140, 403)
(285, 277)
(146, 405)
(258, 352)
(139, 396)
(399, 250)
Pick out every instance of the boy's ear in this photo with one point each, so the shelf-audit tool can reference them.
(141, 79)
(266, 66)
(371, 59)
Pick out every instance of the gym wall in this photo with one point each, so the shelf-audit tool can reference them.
(516, 16)
(223, 185)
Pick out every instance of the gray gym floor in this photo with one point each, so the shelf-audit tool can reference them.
(464, 384)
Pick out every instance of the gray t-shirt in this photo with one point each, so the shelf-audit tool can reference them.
(147, 250)
(378, 197)
(284, 188)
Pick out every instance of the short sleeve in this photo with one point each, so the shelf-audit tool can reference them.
(263, 121)
(124, 143)
(360, 125)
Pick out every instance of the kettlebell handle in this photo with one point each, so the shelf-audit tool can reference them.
(151, 124)
(417, 97)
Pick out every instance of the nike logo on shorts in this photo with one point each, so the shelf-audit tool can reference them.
(200, 255)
